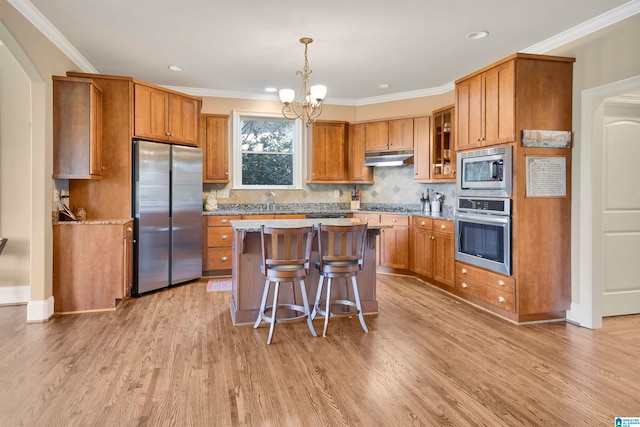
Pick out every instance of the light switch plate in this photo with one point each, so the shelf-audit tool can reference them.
(223, 194)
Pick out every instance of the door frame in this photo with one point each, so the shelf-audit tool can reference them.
(586, 256)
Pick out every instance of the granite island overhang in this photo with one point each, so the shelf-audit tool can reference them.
(248, 281)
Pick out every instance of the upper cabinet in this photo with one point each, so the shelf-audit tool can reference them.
(165, 116)
(422, 149)
(389, 135)
(327, 152)
(443, 149)
(77, 128)
(357, 172)
(485, 107)
(401, 134)
(214, 135)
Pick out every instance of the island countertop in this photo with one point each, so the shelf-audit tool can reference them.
(253, 225)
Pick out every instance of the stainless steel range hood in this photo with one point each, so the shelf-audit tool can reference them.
(388, 158)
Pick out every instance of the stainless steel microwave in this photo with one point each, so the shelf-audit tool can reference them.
(487, 172)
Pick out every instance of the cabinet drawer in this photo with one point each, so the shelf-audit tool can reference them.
(493, 296)
(219, 258)
(389, 219)
(494, 280)
(258, 216)
(422, 223)
(219, 236)
(443, 226)
(367, 217)
(218, 220)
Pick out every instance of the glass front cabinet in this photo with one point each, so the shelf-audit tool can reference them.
(443, 162)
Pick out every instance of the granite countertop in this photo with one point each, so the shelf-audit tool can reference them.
(112, 221)
(253, 225)
(330, 209)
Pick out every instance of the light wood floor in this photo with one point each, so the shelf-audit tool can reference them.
(173, 359)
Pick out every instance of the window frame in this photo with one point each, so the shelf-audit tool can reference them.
(236, 151)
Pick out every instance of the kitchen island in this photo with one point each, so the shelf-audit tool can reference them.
(248, 281)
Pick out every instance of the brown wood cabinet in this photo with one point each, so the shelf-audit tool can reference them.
(327, 152)
(92, 265)
(165, 116)
(389, 135)
(394, 242)
(485, 107)
(523, 92)
(214, 136)
(422, 149)
(217, 247)
(485, 287)
(77, 128)
(432, 249)
(357, 171)
(443, 148)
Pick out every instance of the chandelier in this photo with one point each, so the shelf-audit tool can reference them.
(309, 104)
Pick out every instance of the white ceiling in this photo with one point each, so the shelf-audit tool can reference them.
(237, 48)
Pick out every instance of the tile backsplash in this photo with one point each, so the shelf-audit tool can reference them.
(392, 185)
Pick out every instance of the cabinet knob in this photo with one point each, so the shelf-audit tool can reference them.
(227, 173)
(224, 259)
(501, 282)
(501, 299)
(224, 220)
(432, 238)
(167, 134)
(443, 226)
(463, 271)
(422, 223)
(393, 220)
(464, 285)
(224, 237)
(104, 168)
(129, 229)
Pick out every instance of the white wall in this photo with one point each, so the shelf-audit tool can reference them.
(15, 179)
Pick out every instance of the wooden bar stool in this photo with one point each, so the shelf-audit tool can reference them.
(341, 250)
(285, 259)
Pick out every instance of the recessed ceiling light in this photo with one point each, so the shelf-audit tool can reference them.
(477, 35)
(270, 89)
(175, 68)
(383, 85)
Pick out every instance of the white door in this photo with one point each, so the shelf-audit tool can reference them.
(620, 249)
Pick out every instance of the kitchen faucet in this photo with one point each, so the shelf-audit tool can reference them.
(270, 204)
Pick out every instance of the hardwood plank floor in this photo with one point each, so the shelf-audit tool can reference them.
(173, 359)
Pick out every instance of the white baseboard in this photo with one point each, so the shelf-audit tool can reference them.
(573, 315)
(39, 311)
(10, 295)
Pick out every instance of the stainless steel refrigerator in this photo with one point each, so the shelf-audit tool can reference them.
(167, 210)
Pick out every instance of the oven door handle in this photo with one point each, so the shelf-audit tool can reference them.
(482, 219)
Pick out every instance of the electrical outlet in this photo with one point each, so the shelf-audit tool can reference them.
(336, 193)
(223, 194)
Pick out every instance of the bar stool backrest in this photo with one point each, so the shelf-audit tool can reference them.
(285, 247)
(341, 245)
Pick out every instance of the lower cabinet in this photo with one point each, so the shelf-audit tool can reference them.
(486, 286)
(217, 243)
(432, 249)
(394, 242)
(92, 265)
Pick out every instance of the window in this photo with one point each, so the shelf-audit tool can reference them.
(267, 151)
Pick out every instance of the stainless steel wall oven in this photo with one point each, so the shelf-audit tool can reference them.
(483, 233)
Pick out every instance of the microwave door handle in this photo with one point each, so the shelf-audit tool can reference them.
(494, 169)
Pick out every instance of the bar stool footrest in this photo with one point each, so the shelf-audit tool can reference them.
(291, 307)
(351, 305)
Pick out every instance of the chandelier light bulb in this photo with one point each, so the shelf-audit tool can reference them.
(287, 95)
(318, 92)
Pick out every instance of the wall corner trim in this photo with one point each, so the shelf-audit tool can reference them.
(39, 311)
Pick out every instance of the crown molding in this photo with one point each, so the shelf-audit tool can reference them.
(599, 22)
(33, 15)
